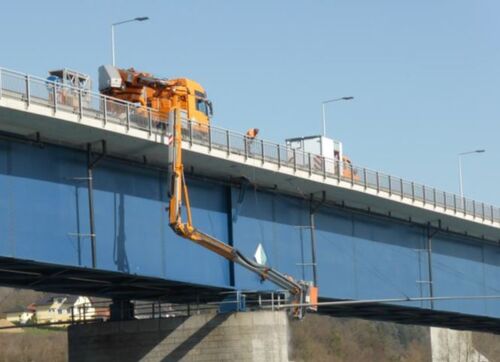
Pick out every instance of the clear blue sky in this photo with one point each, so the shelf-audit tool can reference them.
(425, 74)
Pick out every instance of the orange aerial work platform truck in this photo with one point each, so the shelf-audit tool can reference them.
(160, 94)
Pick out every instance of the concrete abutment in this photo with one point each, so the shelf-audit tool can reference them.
(248, 336)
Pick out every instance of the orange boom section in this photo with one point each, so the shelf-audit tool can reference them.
(160, 94)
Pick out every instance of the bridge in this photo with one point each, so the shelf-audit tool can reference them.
(83, 210)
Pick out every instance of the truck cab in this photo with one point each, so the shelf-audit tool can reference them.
(199, 107)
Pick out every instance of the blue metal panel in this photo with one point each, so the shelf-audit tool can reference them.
(393, 256)
(275, 222)
(188, 261)
(491, 265)
(128, 213)
(44, 211)
(6, 240)
(336, 250)
(360, 257)
(40, 211)
(464, 268)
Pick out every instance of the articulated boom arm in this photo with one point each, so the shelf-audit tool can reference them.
(179, 195)
(134, 78)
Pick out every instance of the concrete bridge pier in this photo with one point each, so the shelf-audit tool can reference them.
(452, 345)
(246, 336)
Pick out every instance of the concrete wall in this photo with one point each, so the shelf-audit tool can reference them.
(250, 336)
(451, 345)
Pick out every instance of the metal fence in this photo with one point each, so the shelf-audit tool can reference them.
(34, 90)
(63, 315)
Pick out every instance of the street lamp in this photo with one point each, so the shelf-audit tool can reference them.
(141, 18)
(460, 168)
(324, 109)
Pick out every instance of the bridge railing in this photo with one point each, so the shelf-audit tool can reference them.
(264, 151)
(34, 90)
(81, 102)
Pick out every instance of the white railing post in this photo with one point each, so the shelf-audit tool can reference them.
(150, 122)
(245, 140)
(279, 156)
(209, 128)
(105, 110)
(1, 82)
(323, 161)
(262, 150)
(128, 116)
(54, 95)
(294, 160)
(80, 103)
(28, 96)
(190, 129)
(339, 168)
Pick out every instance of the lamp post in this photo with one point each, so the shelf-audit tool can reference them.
(460, 168)
(142, 18)
(323, 108)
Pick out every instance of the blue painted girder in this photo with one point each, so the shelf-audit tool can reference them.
(44, 217)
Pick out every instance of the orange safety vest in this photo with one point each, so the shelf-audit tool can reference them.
(252, 133)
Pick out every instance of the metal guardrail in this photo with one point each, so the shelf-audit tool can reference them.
(57, 96)
(34, 90)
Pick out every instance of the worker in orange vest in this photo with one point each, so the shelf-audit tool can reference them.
(249, 137)
(252, 133)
